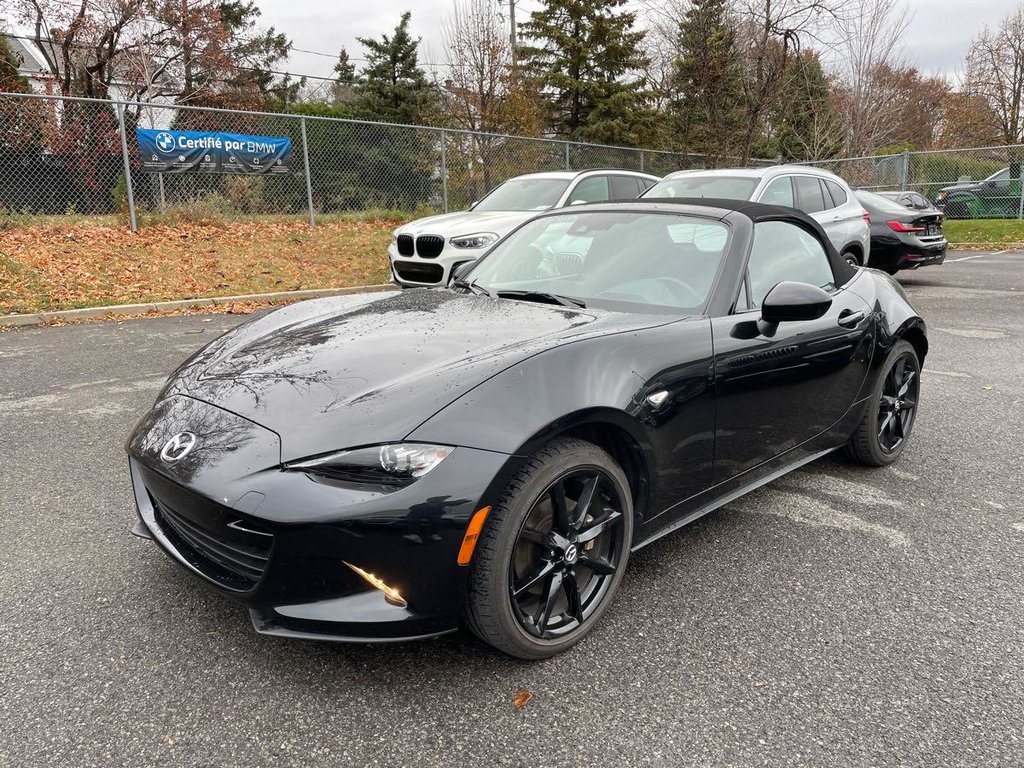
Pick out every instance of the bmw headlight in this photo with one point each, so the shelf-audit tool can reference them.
(476, 240)
(392, 464)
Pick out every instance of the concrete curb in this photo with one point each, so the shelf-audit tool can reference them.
(94, 313)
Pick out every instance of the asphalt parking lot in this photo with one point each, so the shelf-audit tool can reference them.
(840, 616)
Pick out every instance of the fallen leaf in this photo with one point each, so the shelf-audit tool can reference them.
(522, 696)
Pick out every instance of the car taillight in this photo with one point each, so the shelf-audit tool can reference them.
(867, 217)
(899, 226)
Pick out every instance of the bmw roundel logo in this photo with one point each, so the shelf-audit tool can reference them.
(165, 142)
(178, 447)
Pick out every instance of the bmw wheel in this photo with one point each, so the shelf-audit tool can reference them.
(553, 551)
(885, 428)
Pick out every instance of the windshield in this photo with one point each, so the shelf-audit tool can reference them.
(727, 187)
(877, 203)
(524, 195)
(626, 261)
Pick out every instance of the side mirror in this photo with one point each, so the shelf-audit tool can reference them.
(793, 302)
(460, 270)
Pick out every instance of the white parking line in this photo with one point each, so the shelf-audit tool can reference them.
(976, 256)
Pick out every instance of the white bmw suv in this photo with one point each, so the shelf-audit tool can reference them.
(823, 195)
(426, 251)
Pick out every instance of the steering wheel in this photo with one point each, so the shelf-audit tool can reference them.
(529, 263)
(682, 291)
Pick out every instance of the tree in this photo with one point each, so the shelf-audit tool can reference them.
(967, 121)
(194, 51)
(392, 87)
(708, 105)
(995, 72)
(584, 59)
(82, 43)
(21, 120)
(211, 53)
(869, 40)
(805, 122)
(343, 87)
(485, 93)
(773, 31)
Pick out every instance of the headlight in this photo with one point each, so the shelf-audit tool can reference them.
(394, 464)
(942, 195)
(477, 240)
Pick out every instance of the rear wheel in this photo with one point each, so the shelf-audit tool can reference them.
(851, 258)
(885, 428)
(553, 551)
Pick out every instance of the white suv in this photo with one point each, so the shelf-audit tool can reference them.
(426, 251)
(823, 195)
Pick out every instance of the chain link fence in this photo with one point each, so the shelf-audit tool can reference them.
(80, 156)
(978, 183)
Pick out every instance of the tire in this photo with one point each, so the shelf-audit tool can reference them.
(851, 258)
(883, 432)
(510, 552)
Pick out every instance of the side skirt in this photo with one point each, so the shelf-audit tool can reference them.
(721, 501)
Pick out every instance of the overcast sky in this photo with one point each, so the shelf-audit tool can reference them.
(936, 40)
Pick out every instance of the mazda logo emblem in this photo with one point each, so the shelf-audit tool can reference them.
(178, 447)
(571, 553)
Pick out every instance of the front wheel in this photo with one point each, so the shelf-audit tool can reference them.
(885, 428)
(553, 551)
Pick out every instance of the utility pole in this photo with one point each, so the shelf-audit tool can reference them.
(512, 32)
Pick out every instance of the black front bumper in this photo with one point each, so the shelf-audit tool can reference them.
(279, 542)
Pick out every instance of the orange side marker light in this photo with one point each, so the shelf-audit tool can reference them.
(476, 524)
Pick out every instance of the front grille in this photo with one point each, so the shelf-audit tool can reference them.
(429, 246)
(405, 245)
(419, 273)
(234, 555)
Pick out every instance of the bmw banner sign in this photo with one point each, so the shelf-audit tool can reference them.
(180, 151)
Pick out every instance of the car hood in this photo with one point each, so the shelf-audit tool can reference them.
(967, 186)
(358, 370)
(467, 223)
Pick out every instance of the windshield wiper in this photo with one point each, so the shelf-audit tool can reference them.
(473, 287)
(542, 296)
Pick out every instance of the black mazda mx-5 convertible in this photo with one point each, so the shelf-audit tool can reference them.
(388, 466)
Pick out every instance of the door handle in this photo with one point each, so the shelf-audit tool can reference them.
(849, 318)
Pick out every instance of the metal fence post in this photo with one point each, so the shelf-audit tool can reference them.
(1020, 203)
(444, 168)
(905, 171)
(641, 161)
(309, 181)
(127, 169)
(568, 167)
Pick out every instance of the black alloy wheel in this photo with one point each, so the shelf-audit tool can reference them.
(552, 552)
(851, 258)
(883, 431)
(566, 554)
(898, 403)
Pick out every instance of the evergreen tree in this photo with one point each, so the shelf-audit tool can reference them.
(392, 88)
(708, 89)
(343, 87)
(21, 120)
(584, 58)
(257, 52)
(807, 125)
